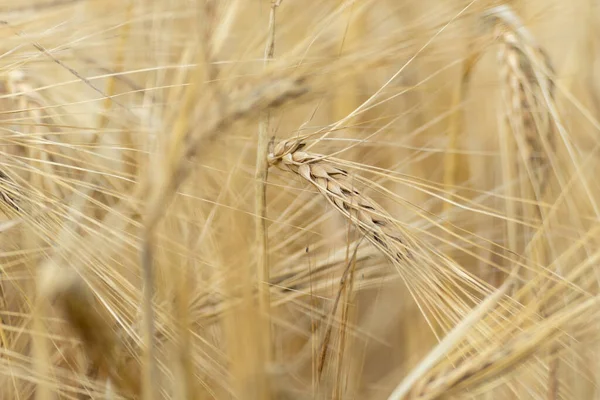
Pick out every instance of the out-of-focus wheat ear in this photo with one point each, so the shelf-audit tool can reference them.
(72, 297)
(527, 127)
(201, 118)
(528, 74)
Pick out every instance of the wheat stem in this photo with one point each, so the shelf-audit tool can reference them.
(261, 176)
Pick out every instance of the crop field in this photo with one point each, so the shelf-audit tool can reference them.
(299, 199)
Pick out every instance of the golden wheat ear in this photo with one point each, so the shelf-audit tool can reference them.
(334, 184)
(528, 74)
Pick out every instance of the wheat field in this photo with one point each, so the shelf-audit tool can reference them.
(299, 199)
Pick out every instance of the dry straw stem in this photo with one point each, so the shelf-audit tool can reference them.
(261, 176)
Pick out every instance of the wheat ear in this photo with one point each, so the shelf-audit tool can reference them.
(334, 184)
(527, 72)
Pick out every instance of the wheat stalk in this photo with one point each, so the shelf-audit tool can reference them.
(261, 176)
